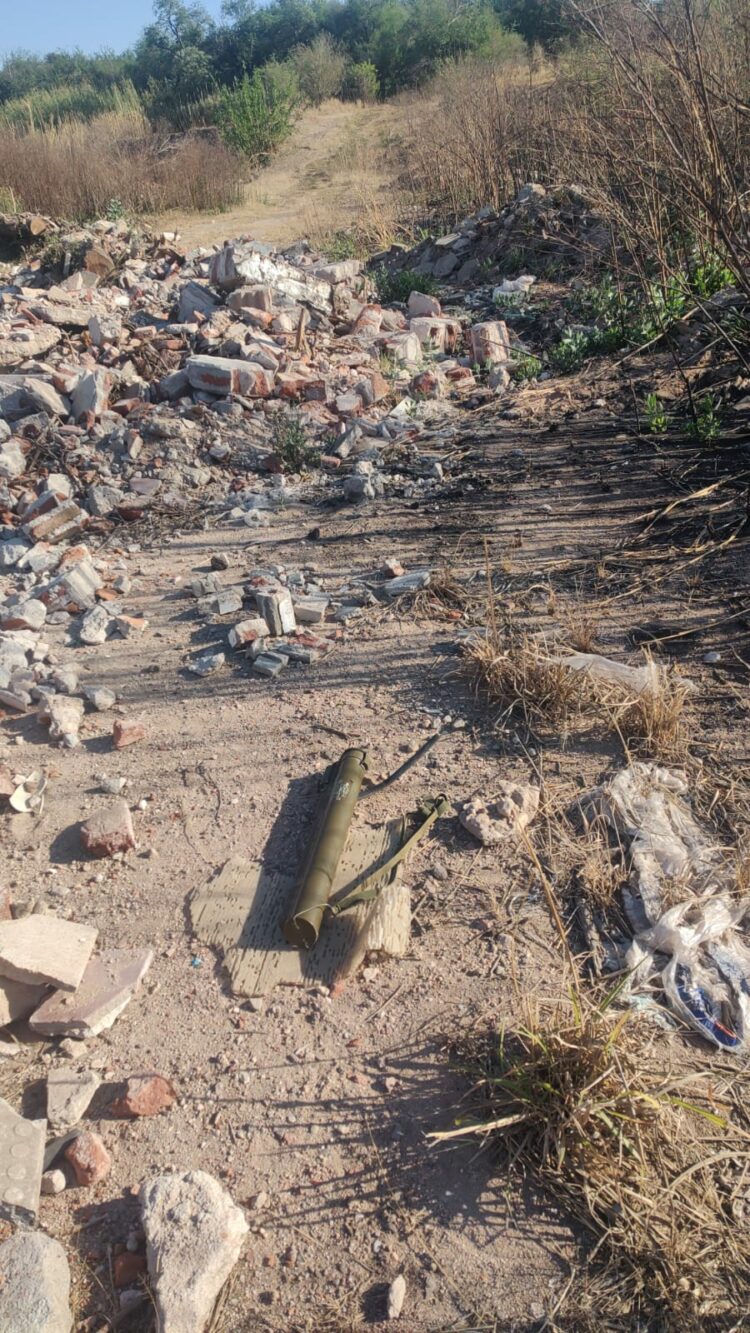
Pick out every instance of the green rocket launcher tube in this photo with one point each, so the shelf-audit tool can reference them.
(303, 926)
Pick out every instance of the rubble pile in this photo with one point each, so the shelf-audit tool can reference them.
(148, 381)
(50, 975)
(540, 225)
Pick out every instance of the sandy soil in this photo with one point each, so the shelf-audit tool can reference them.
(320, 1103)
(317, 183)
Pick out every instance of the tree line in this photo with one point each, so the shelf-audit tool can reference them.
(370, 47)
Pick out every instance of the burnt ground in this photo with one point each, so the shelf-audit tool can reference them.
(314, 1112)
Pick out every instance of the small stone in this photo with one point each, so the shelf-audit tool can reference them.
(53, 1182)
(219, 560)
(513, 810)
(145, 1094)
(396, 1296)
(109, 831)
(89, 1158)
(71, 1050)
(64, 716)
(68, 1096)
(127, 731)
(34, 1285)
(392, 568)
(100, 698)
(207, 664)
(95, 625)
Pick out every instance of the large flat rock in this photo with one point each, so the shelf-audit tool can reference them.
(40, 950)
(107, 986)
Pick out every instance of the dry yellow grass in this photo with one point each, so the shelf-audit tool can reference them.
(651, 1162)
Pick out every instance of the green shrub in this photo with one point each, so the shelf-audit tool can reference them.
(320, 69)
(255, 116)
(525, 366)
(291, 443)
(361, 83)
(399, 286)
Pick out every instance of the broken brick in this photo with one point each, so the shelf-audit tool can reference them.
(109, 831)
(126, 731)
(144, 1095)
(89, 1158)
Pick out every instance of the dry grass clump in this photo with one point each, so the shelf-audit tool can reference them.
(655, 723)
(600, 873)
(444, 598)
(516, 671)
(80, 170)
(519, 672)
(654, 1171)
(582, 629)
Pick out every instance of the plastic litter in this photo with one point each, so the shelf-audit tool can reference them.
(637, 680)
(696, 948)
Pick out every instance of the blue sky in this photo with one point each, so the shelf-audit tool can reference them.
(63, 25)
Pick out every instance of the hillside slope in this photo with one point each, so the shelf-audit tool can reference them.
(331, 166)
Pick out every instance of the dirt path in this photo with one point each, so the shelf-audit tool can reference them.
(316, 183)
(314, 1107)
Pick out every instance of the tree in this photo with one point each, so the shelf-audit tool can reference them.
(320, 68)
(548, 22)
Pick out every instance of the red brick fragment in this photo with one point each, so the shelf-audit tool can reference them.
(145, 1094)
(126, 731)
(89, 1158)
(109, 831)
(128, 1268)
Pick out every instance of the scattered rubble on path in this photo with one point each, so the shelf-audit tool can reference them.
(143, 392)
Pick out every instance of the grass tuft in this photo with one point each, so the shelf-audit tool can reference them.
(517, 673)
(653, 1175)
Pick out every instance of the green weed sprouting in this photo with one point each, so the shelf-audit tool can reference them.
(658, 421)
(291, 443)
(399, 286)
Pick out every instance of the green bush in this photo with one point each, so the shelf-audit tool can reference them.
(361, 83)
(525, 366)
(320, 69)
(399, 286)
(290, 443)
(255, 116)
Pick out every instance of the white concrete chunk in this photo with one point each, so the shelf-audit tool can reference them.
(194, 1234)
(68, 1095)
(34, 1285)
(44, 949)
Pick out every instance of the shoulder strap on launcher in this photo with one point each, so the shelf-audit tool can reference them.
(372, 886)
